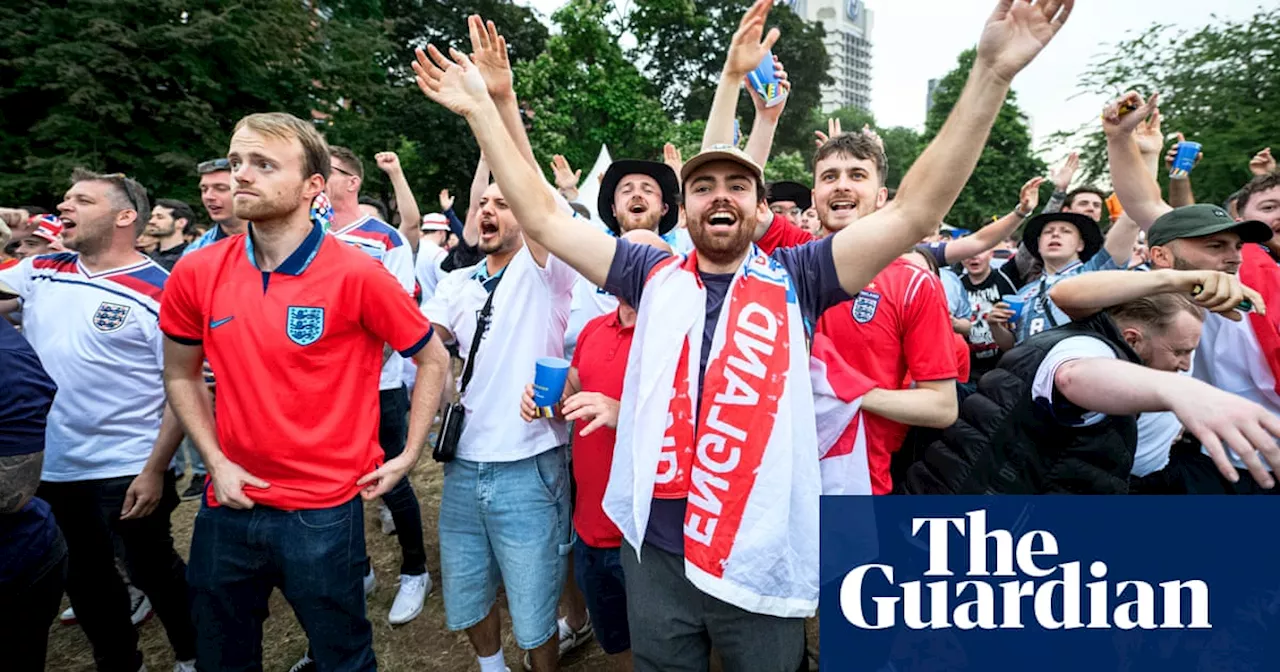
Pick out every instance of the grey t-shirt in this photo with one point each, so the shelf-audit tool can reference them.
(813, 273)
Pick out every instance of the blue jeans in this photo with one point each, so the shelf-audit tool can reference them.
(315, 557)
(508, 522)
(598, 572)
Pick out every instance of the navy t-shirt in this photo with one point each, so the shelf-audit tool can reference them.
(25, 536)
(812, 269)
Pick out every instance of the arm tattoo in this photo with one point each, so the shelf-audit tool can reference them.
(19, 477)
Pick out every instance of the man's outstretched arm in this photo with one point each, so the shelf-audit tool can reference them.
(458, 86)
(996, 232)
(1015, 33)
(1089, 293)
(1130, 174)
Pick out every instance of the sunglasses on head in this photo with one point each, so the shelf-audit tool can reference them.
(124, 183)
(212, 166)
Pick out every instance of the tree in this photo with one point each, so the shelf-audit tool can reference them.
(902, 146)
(1006, 161)
(1218, 85)
(788, 166)
(585, 92)
(682, 46)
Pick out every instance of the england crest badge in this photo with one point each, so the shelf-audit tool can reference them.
(305, 324)
(864, 307)
(109, 317)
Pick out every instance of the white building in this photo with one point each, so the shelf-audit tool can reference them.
(848, 24)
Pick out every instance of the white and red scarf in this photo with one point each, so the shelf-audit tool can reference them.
(748, 467)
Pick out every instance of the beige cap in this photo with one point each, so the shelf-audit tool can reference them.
(721, 153)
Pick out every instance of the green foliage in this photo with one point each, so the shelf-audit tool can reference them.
(682, 45)
(788, 166)
(1218, 85)
(1006, 162)
(585, 92)
(152, 87)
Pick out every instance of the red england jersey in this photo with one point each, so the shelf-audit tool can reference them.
(897, 328)
(297, 353)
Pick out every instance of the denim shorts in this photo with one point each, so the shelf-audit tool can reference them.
(508, 522)
(598, 572)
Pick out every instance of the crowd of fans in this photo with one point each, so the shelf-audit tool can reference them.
(736, 349)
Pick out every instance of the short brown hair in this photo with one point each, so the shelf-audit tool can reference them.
(127, 193)
(856, 145)
(315, 152)
(1157, 311)
(1257, 185)
(1071, 197)
(348, 157)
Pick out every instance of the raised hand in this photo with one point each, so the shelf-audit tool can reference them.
(671, 157)
(1063, 175)
(833, 129)
(1147, 133)
(446, 201)
(1029, 196)
(750, 43)
(489, 53)
(1172, 154)
(388, 162)
(762, 110)
(565, 176)
(1017, 31)
(875, 137)
(1262, 163)
(1114, 123)
(456, 84)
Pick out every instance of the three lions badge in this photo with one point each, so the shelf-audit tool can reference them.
(109, 317)
(864, 307)
(305, 324)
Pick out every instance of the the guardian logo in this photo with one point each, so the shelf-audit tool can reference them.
(1045, 590)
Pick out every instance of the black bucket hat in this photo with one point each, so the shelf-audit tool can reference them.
(791, 191)
(1089, 232)
(660, 172)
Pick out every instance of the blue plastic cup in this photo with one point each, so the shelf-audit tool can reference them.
(548, 383)
(1185, 159)
(1016, 304)
(766, 82)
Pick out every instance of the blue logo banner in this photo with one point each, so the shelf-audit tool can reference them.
(1133, 584)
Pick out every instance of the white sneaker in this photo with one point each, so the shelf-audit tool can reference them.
(409, 599)
(140, 605)
(388, 523)
(569, 640)
(185, 666)
(67, 617)
(370, 583)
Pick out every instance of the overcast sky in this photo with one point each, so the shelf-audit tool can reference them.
(916, 40)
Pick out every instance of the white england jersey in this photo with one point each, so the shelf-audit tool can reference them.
(98, 336)
(382, 242)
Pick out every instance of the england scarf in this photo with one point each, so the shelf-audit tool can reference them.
(749, 465)
(837, 401)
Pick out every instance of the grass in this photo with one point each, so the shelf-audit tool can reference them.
(422, 645)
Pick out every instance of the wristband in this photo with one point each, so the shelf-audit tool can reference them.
(1018, 211)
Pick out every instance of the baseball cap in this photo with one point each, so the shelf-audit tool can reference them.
(47, 227)
(434, 221)
(721, 153)
(213, 166)
(1203, 219)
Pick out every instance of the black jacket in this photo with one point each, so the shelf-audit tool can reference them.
(1006, 443)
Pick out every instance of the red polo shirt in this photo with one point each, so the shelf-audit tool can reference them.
(896, 329)
(297, 353)
(603, 346)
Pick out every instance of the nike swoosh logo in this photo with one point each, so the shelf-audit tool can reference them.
(214, 324)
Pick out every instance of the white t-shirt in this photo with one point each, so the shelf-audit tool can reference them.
(529, 314)
(384, 243)
(1230, 359)
(98, 336)
(427, 267)
(1156, 431)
